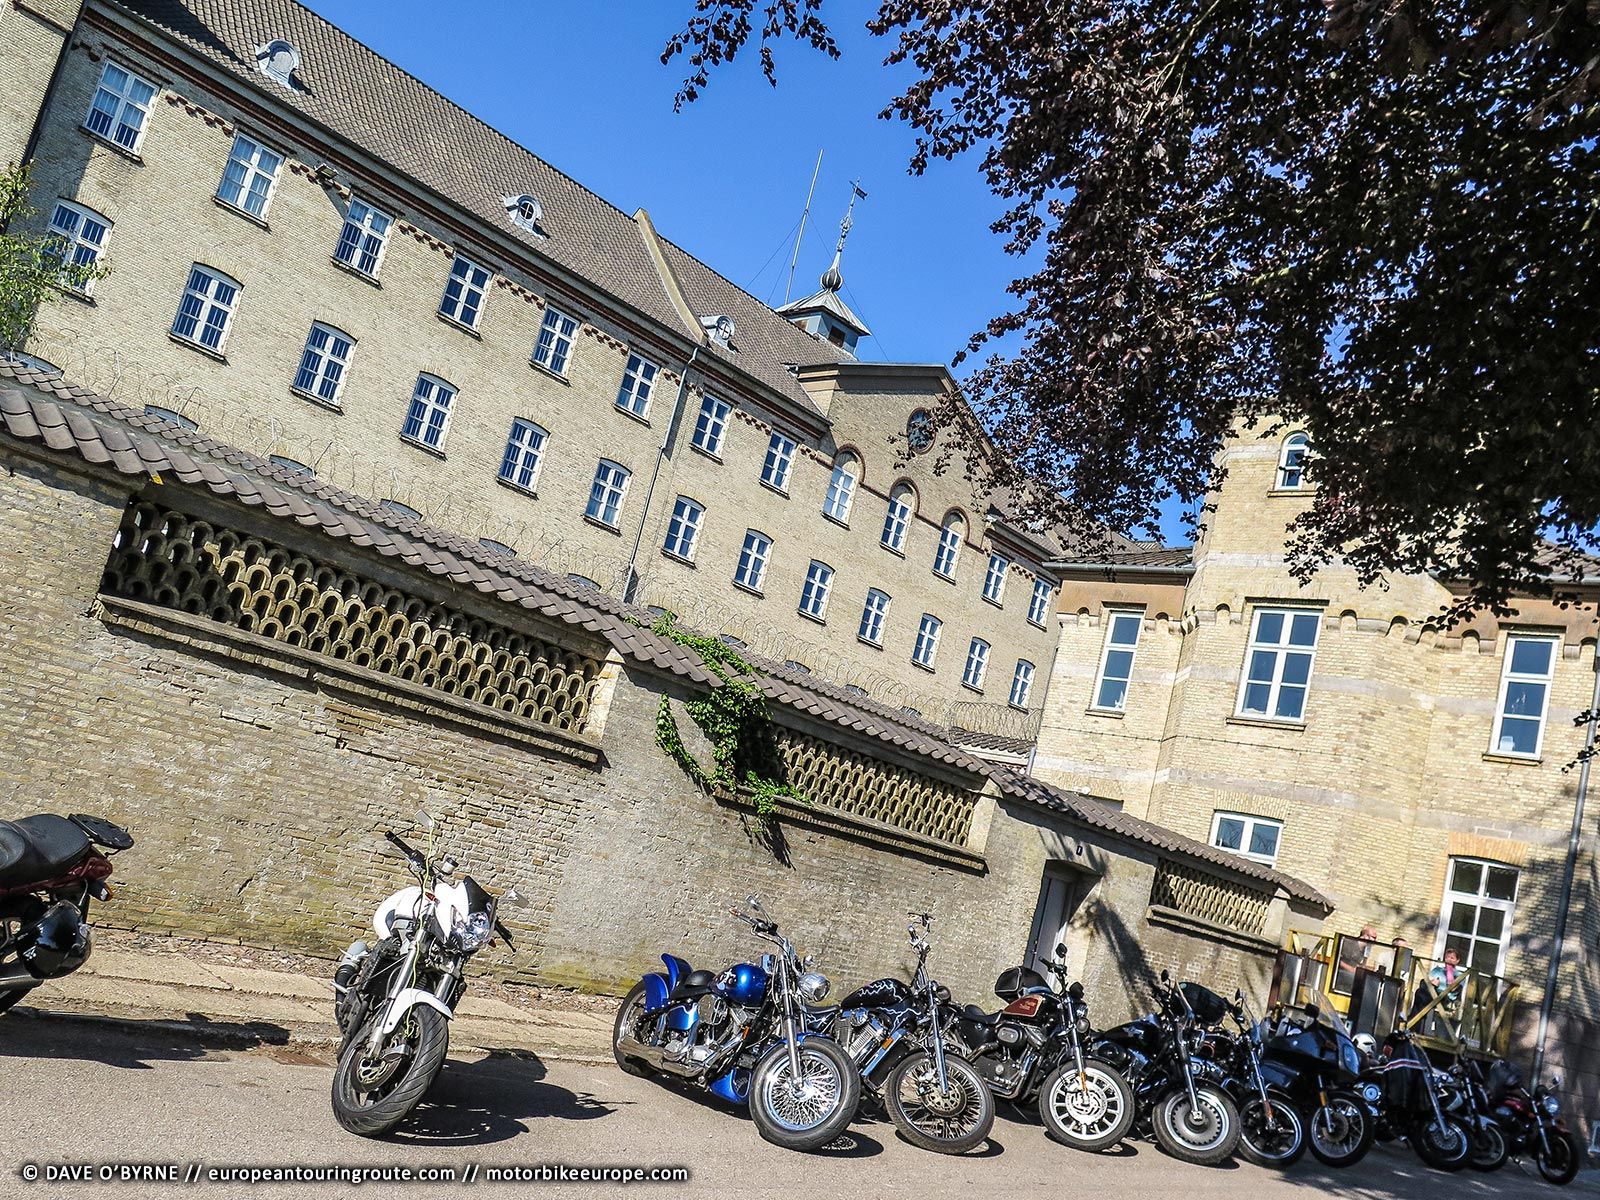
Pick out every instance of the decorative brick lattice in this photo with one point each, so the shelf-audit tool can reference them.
(861, 786)
(175, 561)
(1198, 893)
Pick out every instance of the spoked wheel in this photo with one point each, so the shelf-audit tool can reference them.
(949, 1122)
(627, 1021)
(372, 1093)
(807, 1109)
(1489, 1148)
(1271, 1133)
(1088, 1110)
(1341, 1130)
(1560, 1164)
(1205, 1133)
(1444, 1145)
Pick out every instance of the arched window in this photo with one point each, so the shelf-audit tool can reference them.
(950, 533)
(1292, 461)
(842, 488)
(902, 507)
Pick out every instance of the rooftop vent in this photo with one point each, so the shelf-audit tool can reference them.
(497, 547)
(166, 414)
(906, 708)
(719, 329)
(525, 212)
(278, 61)
(797, 666)
(291, 465)
(727, 639)
(400, 510)
(855, 689)
(583, 581)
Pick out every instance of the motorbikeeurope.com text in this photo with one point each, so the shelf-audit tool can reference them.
(248, 1174)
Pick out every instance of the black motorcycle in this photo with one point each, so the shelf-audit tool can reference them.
(892, 1032)
(1407, 1096)
(50, 868)
(1530, 1124)
(1272, 1131)
(1181, 1096)
(1315, 1064)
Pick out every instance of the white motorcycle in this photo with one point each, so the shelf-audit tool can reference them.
(394, 1001)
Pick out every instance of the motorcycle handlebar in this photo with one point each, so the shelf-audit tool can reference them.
(400, 845)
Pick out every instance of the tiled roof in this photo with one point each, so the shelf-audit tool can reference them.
(1144, 556)
(997, 743)
(364, 99)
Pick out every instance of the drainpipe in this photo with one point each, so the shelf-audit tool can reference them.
(630, 580)
(1044, 697)
(1573, 843)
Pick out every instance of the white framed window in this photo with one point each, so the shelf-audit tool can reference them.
(606, 495)
(204, 313)
(949, 549)
(364, 237)
(553, 350)
(120, 110)
(519, 466)
(841, 492)
(77, 237)
(814, 595)
(977, 665)
(873, 614)
(1277, 665)
(927, 643)
(1524, 694)
(994, 578)
(428, 418)
(683, 530)
(779, 461)
(1256, 838)
(752, 569)
(250, 176)
(1480, 900)
(638, 381)
(323, 363)
(1021, 684)
(1292, 462)
(1116, 659)
(711, 426)
(462, 301)
(1039, 603)
(897, 518)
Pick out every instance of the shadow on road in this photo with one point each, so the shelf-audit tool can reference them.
(129, 1044)
(490, 1100)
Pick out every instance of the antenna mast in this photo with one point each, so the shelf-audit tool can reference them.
(795, 257)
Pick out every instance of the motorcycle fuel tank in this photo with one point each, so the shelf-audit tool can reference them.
(742, 983)
(880, 993)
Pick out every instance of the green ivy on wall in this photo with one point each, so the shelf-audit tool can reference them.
(734, 719)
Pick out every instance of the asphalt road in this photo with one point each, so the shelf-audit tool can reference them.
(95, 1097)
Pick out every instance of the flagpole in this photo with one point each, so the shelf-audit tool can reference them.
(795, 257)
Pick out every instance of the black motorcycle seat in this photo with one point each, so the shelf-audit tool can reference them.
(35, 849)
(692, 986)
(977, 1016)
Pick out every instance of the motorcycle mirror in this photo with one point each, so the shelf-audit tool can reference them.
(514, 899)
(1076, 990)
(1061, 949)
(1165, 978)
(426, 819)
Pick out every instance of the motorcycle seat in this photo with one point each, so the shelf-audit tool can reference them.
(977, 1016)
(692, 986)
(35, 849)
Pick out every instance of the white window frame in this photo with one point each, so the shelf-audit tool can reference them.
(816, 589)
(431, 397)
(1249, 822)
(977, 664)
(324, 366)
(251, 172)
(553, 348)
(1115, 618)
(751, 571)
(1282, 649)
(926, 647)
(365, 233)
(994, 578)
(1039, 603)
(874, 616)
(638, 383)
(212, 292)
(524, 454)
(948, 552)
(711, 425)
(1021, 678)
(121, 100)
(897, 518)
(1292, 455)
(683, 529)
(1480, 901)
(471, 282)
(841, 491)
(1508, 676)
(779, 462)
(608, 493)
(76, 248)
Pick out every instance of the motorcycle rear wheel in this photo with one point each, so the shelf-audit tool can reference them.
(808, 1112)
(1090, 1113)
(1444, 1145)
(1340, 1132)
(945, 1124)
(1561, 1165)
(1277, 1141)
(426, 1035)
(626, 1015)
(1489, 1148)
(1206, 1137)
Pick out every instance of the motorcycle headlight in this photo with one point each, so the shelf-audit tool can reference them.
(813, 986)
(1551, 1105)
(473, 933)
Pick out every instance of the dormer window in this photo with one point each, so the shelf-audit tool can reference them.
(719, 329)
(525, 212)
(278, 61)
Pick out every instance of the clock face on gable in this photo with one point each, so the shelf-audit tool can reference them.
(919, 431)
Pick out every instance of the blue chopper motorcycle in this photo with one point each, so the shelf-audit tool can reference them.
(743, 1035)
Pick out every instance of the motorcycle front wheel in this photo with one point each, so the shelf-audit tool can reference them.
(950, 1122)
(373, 1094)
(1560, 1165)
(1204, 1135)
(1444, 1145)
(1489, 1148)
(1271, 1138)
(1341, 1130)
(804, 1111)
(1092, 1111)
